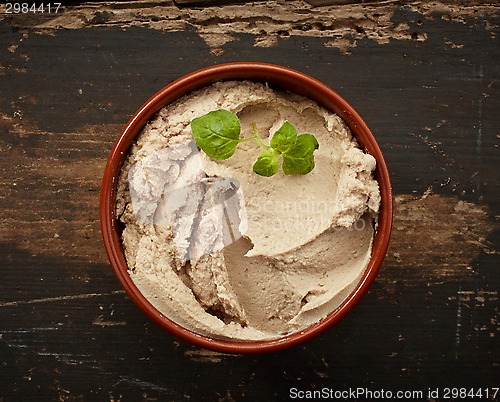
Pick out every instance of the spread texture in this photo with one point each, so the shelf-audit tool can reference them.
(230, 254)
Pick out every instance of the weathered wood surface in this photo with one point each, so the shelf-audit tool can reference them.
(426, 78)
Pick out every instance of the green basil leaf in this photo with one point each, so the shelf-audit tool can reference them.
(299, 159)
(217, 133)
(284, 137)
(266, 164)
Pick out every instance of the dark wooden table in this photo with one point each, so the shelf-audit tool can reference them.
(426, 78)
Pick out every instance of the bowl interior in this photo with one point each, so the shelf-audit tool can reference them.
(279, 78)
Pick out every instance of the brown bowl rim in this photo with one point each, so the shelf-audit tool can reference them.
(282, 77)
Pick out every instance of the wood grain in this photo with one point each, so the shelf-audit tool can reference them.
(424, 76)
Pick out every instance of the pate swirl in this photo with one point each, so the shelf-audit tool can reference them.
(230, 254)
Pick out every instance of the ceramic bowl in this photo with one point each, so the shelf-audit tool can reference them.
(281, 78)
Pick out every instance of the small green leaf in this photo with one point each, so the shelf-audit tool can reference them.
(217, 133)
(284, 137)
(266, 164)
(299, 159)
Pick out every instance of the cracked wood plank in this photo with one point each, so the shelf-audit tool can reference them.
(343, 25)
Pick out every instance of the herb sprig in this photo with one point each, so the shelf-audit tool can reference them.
(217, 133)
